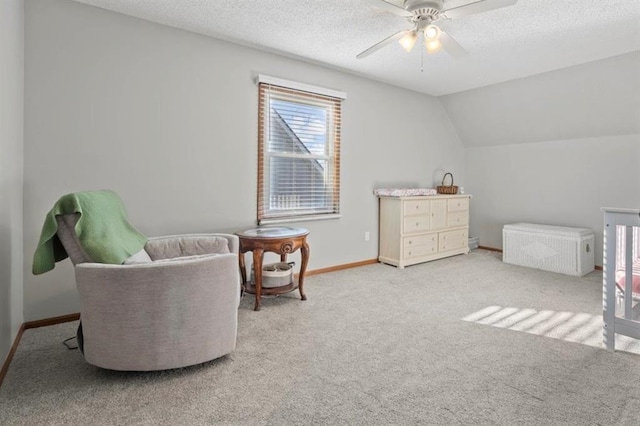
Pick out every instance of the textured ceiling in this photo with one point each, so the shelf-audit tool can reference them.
(531, 37)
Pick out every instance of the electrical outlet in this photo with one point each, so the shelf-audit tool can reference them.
(367, 236)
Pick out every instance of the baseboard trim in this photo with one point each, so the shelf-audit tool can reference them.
(490, 249)
(12, 351)
(51, 321)
(32, 324)
(341, 267)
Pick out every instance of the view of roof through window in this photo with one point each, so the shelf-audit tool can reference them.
(307, 124)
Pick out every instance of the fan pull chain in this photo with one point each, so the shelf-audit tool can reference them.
(421, 60)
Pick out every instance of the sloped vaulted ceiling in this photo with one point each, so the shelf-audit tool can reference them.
(601, 98)
(536, 71)
(528, 38)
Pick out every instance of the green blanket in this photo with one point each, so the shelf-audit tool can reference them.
(102, 229)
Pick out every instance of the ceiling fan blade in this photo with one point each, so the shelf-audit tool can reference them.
(451, 46)
(383, 43)
(477, 7)
(391, 8)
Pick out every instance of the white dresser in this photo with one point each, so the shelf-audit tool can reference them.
(419, 229)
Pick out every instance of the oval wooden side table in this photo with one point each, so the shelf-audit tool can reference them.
(282, 240)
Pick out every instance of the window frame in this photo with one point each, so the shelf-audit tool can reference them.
(272, 88)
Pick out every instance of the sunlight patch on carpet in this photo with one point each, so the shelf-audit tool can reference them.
(574, 327)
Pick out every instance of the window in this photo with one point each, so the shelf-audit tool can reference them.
(298, 151)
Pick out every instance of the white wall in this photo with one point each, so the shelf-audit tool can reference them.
(556, 183)
(168, 119)
(11, 161)
(552, 148)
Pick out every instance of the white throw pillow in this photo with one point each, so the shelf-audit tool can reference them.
(140, 257)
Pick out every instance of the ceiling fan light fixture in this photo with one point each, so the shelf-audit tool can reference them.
(432, 32)
(433, 46)
(409, 40)
(422, 14)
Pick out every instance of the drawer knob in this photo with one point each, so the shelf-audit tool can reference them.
(417, 223)
(410, 242)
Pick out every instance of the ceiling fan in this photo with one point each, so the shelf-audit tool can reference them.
(423, 14)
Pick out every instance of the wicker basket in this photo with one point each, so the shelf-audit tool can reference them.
(447, 189)
(275, 274)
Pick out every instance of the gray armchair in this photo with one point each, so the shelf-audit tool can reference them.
(173, 305)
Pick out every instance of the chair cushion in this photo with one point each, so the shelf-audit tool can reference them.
(181, 258)
(187, 245)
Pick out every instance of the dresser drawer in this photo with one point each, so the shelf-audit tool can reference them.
(416, 207)
(430, 240)
(452, 240)
(457, 219)
(409, 252)
(457, 204)
(414, 224)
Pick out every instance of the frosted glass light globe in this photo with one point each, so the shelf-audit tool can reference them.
(432, 32)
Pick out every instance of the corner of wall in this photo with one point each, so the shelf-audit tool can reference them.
(11, 171)
(450, 124)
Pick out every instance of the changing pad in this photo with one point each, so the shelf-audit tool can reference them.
(403, 192)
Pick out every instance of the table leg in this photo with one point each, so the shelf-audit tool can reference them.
(257, 273)
(304, 250)
(243, 268)
(283, 257)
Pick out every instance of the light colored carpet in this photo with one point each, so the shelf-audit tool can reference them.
(435, 343)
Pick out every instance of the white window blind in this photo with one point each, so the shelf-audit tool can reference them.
(298, 154)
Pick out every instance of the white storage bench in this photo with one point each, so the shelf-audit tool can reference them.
(551, 248)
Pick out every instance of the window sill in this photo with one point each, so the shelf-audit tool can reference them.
(309, 218)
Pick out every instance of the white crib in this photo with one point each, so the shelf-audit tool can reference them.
(621, 274)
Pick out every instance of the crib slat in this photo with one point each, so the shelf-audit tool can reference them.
(609, 284)
(628, 280)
